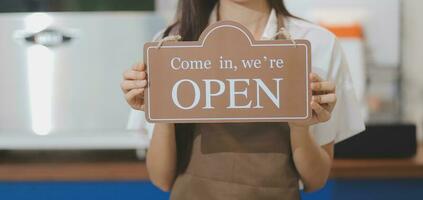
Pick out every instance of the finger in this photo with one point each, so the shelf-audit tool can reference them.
(323, 86)
(133, 93)
(321, 114)
(315, 78)
(134, 75)
(139, 67)
(328, 107)
(129, 85)
(325, 98)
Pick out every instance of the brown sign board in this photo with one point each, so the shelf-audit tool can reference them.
(228, 76)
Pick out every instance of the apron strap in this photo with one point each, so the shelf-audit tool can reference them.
(281, 24)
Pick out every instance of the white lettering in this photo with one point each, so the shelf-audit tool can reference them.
(209, 94)
(275, 98)
(177, 64)
(232, 93)
(196, 94)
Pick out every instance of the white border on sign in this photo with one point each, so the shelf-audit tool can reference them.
(232, 118)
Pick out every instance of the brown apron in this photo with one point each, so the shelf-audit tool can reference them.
(245, 161)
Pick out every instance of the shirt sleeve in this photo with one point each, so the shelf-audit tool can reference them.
(137, 121)
(346, 119)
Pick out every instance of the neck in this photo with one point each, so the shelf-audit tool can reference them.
(252, 14)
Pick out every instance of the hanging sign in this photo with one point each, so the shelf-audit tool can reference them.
(227, 76)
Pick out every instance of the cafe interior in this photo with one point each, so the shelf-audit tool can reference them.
(65, 128)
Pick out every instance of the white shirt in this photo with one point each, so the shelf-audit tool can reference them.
(329, 62)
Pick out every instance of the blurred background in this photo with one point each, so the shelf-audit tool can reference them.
(63, 118)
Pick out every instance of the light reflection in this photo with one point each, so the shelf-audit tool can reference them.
(40, 63)
(37, 22)
(40, 78)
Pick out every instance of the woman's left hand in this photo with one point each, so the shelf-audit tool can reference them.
(322, 103)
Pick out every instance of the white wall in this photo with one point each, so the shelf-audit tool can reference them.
(413, 62)
(167, 9)
(379, 18)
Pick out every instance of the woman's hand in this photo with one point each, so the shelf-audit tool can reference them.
(322, 103)
(133, 86)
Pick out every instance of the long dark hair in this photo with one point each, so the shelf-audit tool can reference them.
(192, 18)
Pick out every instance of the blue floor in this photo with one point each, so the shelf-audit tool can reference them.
(80, 191)
(139, 190)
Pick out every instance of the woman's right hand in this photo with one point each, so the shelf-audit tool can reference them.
(133, 86)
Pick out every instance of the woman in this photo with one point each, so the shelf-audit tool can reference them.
(252, 160)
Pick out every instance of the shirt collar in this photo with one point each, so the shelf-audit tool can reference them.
(270, 29)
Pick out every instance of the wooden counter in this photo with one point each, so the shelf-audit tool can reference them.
(123, 165)
(71, 166)
(379, 168)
